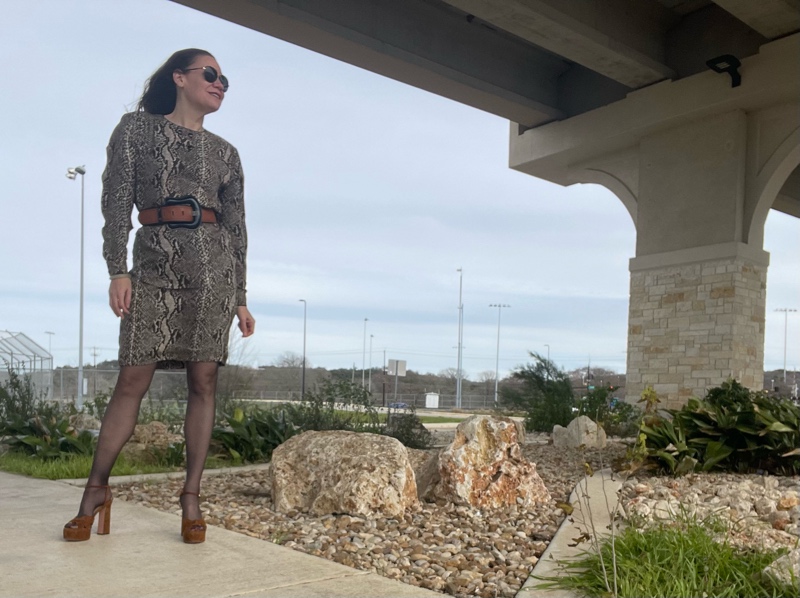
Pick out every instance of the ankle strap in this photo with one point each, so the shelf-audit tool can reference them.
(95, 486)
(187, 492)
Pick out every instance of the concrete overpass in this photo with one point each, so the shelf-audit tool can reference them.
(687, 110)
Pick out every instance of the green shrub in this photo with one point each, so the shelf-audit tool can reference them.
(172, 455)
(18, 397)
(546, 395)
(617, 418)
(96, 407)
(732, 429)
(250, 437)
(408, 429)
(47, 437)
(336, 405)
(170, 412)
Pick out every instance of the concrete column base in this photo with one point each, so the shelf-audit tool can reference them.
(696, 318)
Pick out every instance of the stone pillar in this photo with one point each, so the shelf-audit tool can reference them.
(698, 165)
(698, 289)
(693, 324)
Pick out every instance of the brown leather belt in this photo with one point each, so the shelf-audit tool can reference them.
(175, 214)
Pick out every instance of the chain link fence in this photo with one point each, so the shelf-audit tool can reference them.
(244, 384)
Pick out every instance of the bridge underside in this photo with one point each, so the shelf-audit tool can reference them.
(618, 93)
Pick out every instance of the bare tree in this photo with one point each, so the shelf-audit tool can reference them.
(486, 376)
(289, 359)
(450, 374)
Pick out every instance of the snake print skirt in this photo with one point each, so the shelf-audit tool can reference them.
(172, 326)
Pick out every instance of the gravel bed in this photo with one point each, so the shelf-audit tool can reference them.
(467, 552)
(452, 549)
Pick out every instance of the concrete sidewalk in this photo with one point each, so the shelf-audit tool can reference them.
(144, 556)
(601, 490)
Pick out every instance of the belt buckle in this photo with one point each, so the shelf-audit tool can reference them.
(197, 212)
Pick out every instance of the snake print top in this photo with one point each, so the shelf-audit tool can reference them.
(151, 159)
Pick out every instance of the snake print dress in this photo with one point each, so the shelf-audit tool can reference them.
(186, 283)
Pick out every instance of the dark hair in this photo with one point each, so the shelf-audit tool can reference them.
(160, 93)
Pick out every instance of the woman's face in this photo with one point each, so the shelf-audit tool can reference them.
(196, 90)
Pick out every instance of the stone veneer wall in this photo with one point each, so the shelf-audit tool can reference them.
(692, 326)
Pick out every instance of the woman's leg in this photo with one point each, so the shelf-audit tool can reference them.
(202, 380)
(117, 427)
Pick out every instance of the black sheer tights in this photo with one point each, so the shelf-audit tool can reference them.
(202, 380)
(121, 416)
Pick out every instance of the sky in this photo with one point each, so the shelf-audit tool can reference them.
(364, 197)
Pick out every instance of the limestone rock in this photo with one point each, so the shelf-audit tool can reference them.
(343, 472)
(580, 431)
(426, 470)
(786, 568)
(146, 437)
(484, 467)
(84, 421)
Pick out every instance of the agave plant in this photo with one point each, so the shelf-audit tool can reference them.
(732, 429)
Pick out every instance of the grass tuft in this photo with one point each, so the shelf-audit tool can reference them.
(673, 561)
(71, 467)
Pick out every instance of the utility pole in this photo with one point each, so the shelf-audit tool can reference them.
(364, 356)
(460, 337)
(94, 377)
(303, 376)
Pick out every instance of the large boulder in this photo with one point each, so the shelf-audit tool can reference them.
(581, 431)
(484, 466)
(84, 421)
(426, 470)
(343, 472)
(148, 439)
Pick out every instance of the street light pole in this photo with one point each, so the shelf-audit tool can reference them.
(71, 174)
(369, 385)
(547, 371)
(459, 375)
(785, 331)
(499, 307)
(364, 355)
(303, 377)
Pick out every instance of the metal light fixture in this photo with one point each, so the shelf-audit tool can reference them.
(72, 173)
(727, 63)
(499, 307)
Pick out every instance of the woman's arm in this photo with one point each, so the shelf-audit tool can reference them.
(232, 201)
(233, 219)
(117, 204)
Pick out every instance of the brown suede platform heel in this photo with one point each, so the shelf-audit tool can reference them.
(79, 529)
(193, 531)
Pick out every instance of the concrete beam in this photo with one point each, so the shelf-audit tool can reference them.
(428, 45)
(551, 151)
(771, 18)
(589, 35)
(788, 200)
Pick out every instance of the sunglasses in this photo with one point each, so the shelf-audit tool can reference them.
(210, 74)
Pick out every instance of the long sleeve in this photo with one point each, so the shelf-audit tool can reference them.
(233, 219)
(118, 196)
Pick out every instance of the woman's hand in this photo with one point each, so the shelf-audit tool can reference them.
(247, 323)
(119, 296)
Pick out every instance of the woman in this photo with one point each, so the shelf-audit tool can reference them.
(188, 277)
